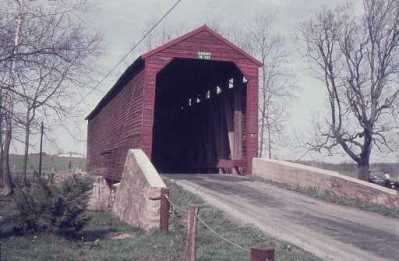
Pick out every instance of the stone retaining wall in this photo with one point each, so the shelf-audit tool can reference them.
(309, 177)
(137, 199)
(102, 195)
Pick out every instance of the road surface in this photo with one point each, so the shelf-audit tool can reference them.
(329, 231)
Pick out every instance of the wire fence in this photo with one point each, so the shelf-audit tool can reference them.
(176, 208)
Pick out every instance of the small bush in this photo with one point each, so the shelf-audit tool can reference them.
(46, 207)
(32, 202)
(69, 208)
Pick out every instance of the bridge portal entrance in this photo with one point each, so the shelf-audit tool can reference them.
(199, 117)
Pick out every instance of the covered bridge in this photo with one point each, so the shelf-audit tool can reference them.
(190, 105)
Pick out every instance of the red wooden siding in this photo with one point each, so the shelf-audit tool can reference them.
(116, 128)
(205, 41)
(126, 120)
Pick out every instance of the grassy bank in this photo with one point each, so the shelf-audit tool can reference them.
(331, 197)
(98, 240)
(350, 169)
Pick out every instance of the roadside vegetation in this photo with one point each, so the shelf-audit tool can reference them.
(331, 197)
(350, 169)
(106, 238)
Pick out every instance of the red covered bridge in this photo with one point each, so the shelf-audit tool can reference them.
(190, 105)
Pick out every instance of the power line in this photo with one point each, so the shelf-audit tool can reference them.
(131, 50)
(83, 98)
(74, 137)
(152, 28)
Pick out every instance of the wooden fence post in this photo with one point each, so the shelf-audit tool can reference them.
(164, 211)
(262, 254)
(190, 253)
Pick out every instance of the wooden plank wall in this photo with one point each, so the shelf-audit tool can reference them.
(205, 41)
(115, 129)
(127, 121)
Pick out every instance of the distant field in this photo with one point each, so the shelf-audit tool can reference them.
(50, 163)
(351, 169)
(54, 163)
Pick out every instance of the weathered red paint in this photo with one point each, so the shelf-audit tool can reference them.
(124, 118)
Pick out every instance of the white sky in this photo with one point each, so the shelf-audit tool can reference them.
(123, 22)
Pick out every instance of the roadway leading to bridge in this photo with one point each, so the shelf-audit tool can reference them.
(327, 230)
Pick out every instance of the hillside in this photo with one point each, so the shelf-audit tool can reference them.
(50, 163)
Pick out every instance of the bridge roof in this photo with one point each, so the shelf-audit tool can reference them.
(139, 63)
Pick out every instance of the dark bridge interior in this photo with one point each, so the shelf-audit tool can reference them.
(199, 116)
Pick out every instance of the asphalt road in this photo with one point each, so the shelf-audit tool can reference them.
(329, 231)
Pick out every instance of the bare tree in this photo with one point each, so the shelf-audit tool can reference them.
(276, 86)
(356, 56)
(51, 57)
(276, 81)
(6, 105)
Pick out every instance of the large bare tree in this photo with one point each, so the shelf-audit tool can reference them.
(47, 63)
(10, 39)
(356, 57)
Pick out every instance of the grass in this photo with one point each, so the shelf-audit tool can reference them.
(210, 247)
(95, 243)
(50, 163)
(350, 169)
(331, 197)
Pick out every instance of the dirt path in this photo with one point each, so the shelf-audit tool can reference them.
(327, 230)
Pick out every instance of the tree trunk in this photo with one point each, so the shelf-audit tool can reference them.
(26, 153)
(8, 116)
(364, 163)
(263, 115)
(363, 171)
(1, 138)
(269, 136)
(8, 186)
(269, 148)
(262, 138)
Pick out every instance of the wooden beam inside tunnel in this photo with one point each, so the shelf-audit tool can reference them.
(205, 132)
(238, 94)
(228, 104)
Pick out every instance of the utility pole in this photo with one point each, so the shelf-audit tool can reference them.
(41, 149)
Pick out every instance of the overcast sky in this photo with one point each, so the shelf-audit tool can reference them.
(123, 22)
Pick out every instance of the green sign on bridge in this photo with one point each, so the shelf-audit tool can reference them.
(204, 55)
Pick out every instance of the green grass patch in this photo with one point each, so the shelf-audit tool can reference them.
(96, 243)
(50, 163)
(331, 197)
